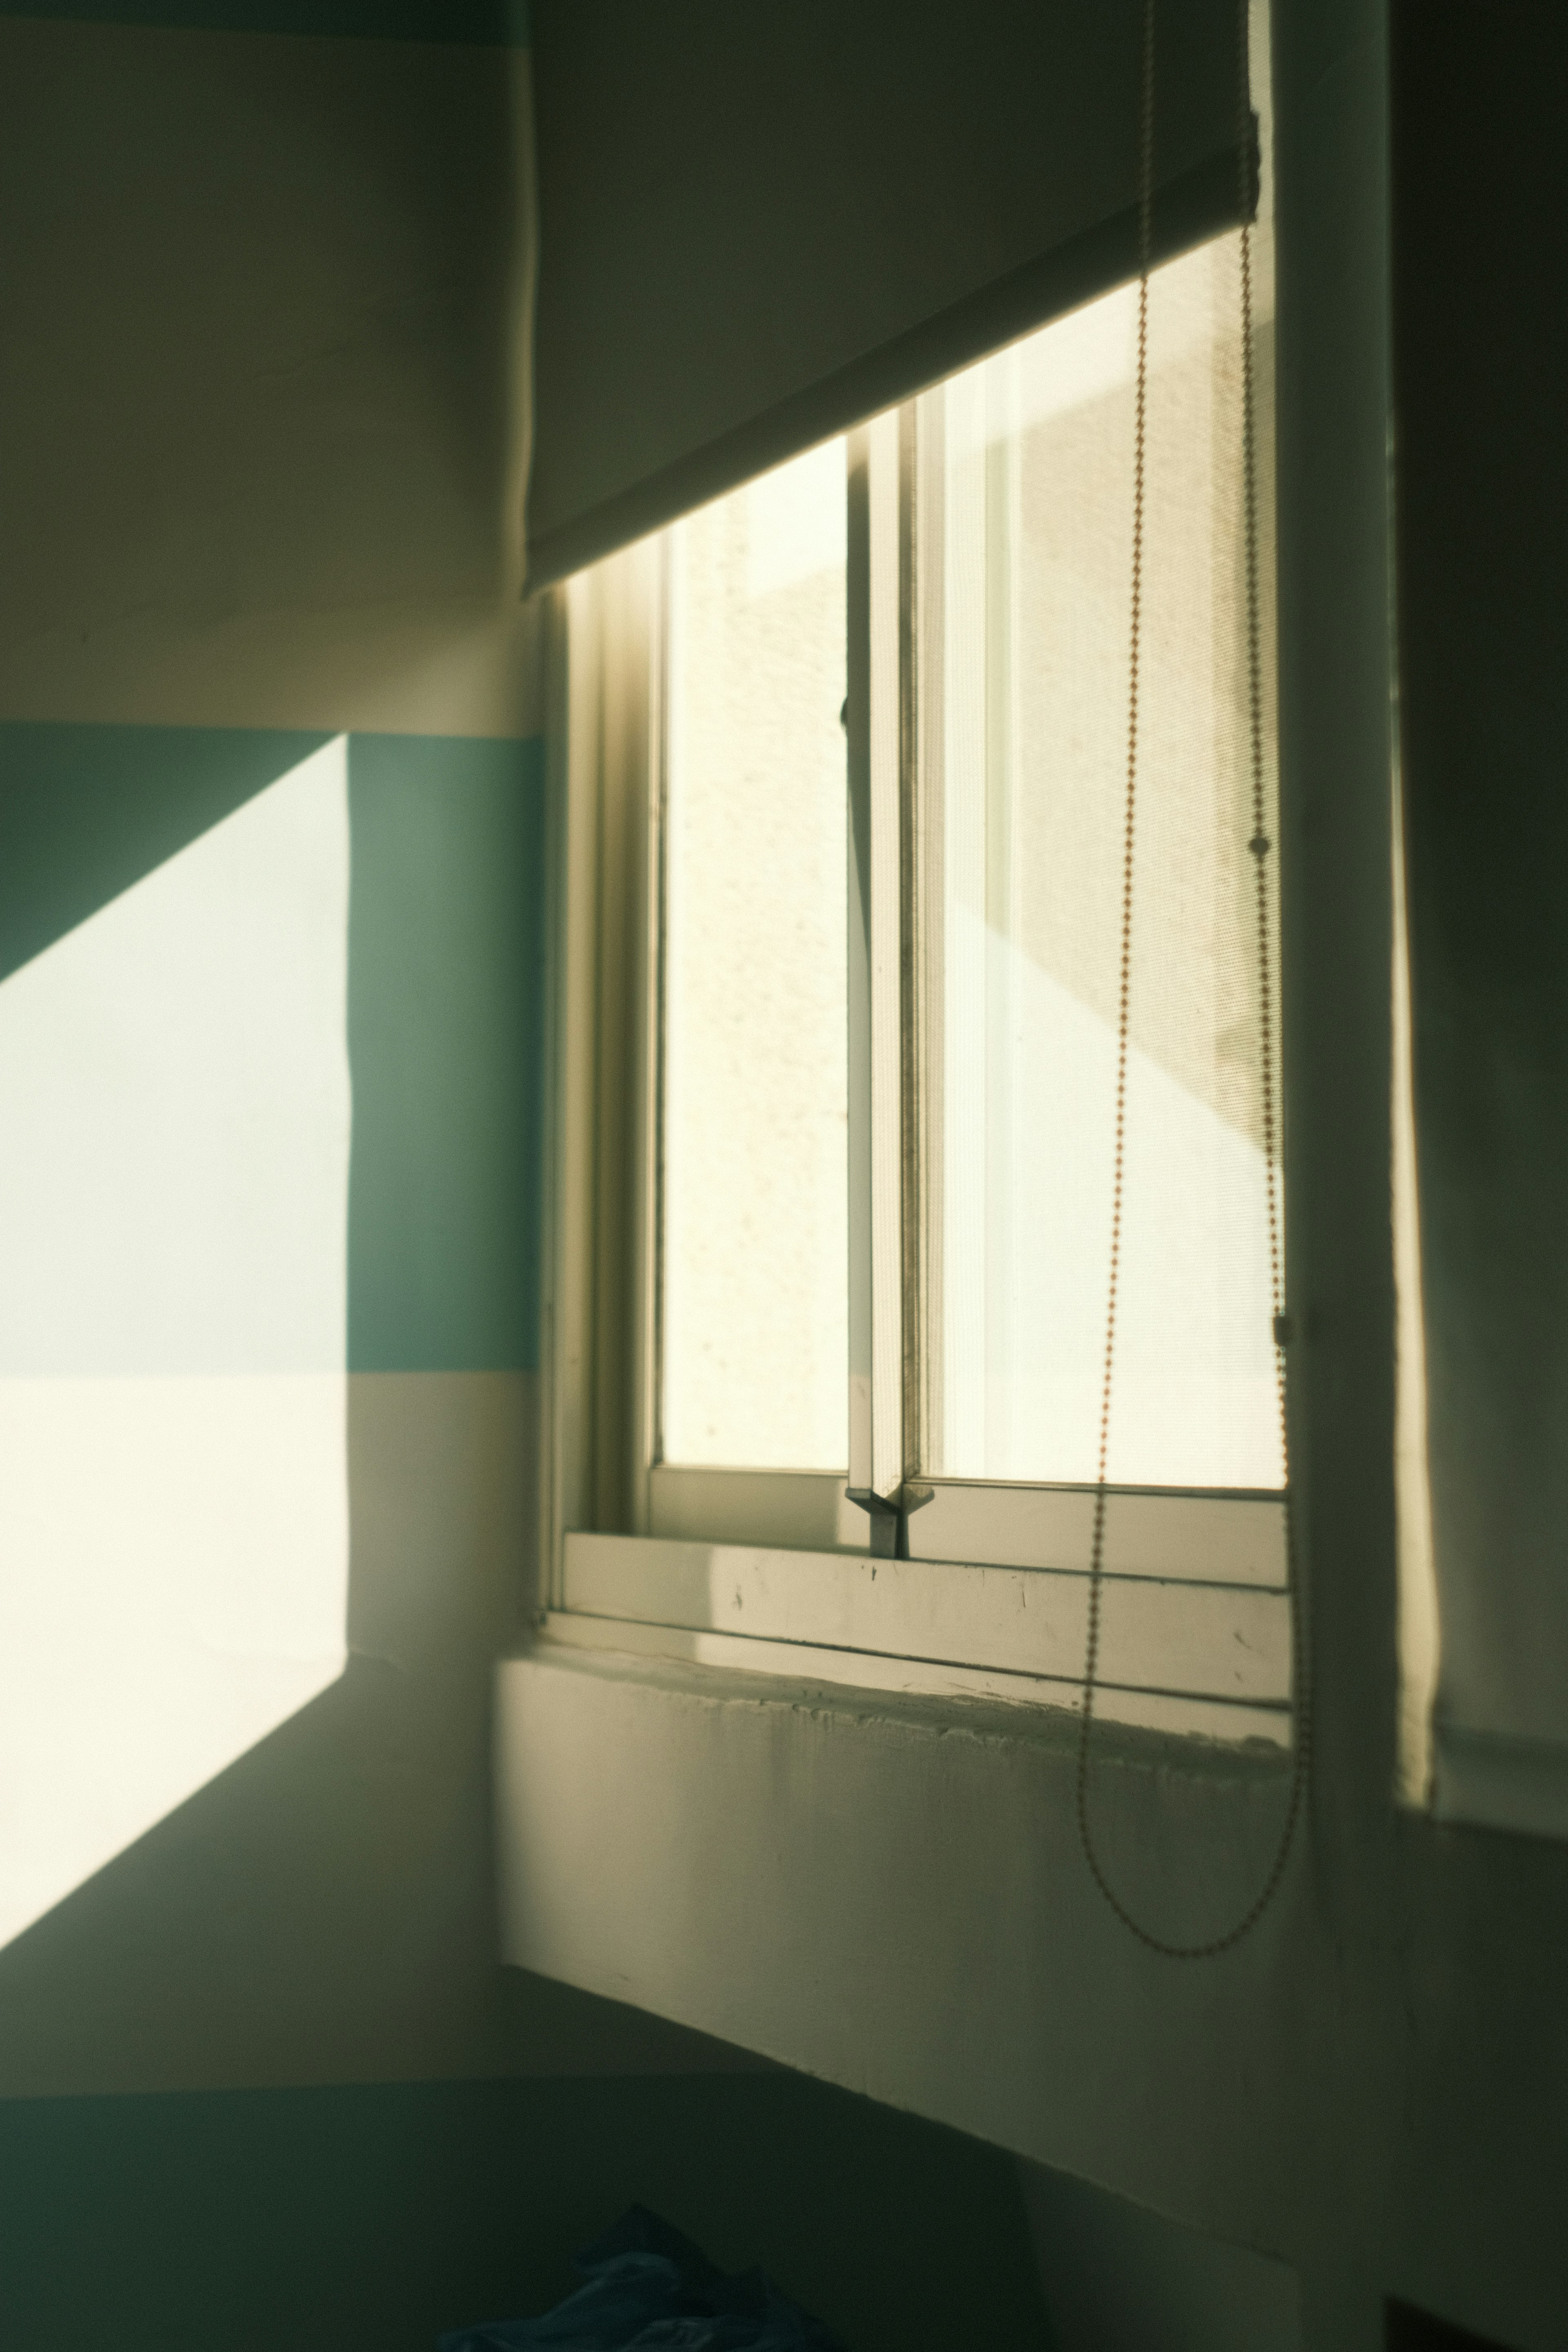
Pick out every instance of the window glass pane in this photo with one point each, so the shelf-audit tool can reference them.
(754, 1218)
(1026, 531)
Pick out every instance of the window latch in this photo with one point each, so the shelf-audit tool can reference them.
(898, 1504)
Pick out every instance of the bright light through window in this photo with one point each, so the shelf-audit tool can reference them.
(754, 1230)
(1025, 567)
(1018, 497)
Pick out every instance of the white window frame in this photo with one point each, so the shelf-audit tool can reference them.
(881, 1579)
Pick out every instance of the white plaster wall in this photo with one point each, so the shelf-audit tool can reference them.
(263, 444)
(887, 1892)
(265, 428)
(1115, 2275)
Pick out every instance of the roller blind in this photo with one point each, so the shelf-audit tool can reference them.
(1480, 206)
(759, 223)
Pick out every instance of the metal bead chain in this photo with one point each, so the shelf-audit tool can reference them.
(1260, 847)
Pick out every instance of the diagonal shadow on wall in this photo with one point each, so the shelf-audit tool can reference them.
(308, 1895)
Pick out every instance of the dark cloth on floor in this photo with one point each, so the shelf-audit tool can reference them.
(649, 2287)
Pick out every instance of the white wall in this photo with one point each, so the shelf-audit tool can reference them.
(1114, 2274)
(263, 433)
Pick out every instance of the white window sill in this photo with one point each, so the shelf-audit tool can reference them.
(878, 1887)
(1182, 1652)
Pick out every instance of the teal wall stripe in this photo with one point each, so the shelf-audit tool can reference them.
(446, 988)
(502, 24)
(87, 812)
(446, 1046)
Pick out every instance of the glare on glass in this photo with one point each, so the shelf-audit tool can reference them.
(753, 1212)
(1025, 517)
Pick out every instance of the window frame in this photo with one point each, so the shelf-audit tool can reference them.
(921, 1584)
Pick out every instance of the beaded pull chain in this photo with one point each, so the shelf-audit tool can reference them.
(1259, 846)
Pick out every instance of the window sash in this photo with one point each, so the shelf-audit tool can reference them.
(989, 1599)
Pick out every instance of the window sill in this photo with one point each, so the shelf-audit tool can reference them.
(1180, 1653)
(873, 1886)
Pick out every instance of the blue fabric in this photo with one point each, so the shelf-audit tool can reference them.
(650, 2287)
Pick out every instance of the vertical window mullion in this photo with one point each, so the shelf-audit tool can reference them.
(925, 887)
(858, 847)
(911, 1049)
(875, 731)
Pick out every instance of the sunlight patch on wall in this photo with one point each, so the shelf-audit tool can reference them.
(174, 1263)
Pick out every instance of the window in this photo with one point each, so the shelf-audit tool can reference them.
(843, 874)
